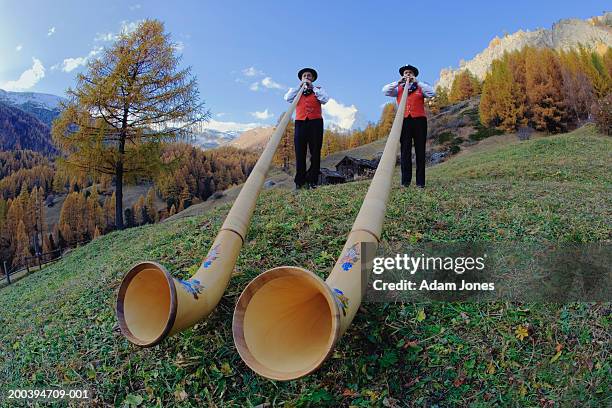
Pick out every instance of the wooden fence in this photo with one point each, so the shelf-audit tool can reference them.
(33, 262)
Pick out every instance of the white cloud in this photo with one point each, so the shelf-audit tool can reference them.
(262, 115)
(28, 78)
(128, 27)
(135, 7)
(254, 86)
(339, 114)
(71, 64)
(19, 48)
(220, 114)
(230, 126)
(269, 83)
(251, 72)
(104, 37)
(51, 32)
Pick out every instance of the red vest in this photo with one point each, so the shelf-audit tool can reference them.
(308, 107)
(415, 105)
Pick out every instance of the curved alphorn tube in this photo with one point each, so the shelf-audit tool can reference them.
(152, 305)
(287, 320)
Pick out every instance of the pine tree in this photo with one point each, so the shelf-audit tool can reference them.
(150, 204)
(607, 61)
(22, 245)
(594, 66)
(386, 119)
(67, 217)
(578, 91)
(81, 227)
(109, 212)
(120, 111)
(75, 218)
(465, 85)
(129, 218)
(47, 244)
(59, 183)
(95, 213)
(185, 197)
(40, 222)
(3, 212)
(503, 100)
(26, 203)
(544, 85)
(285, 154)
(138, 207)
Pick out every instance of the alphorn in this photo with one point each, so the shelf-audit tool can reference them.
(152, 305)
(287, 320)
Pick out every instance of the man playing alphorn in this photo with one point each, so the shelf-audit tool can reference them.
(308, 128)
(415, 122)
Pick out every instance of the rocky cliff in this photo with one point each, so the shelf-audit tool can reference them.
(594, 33)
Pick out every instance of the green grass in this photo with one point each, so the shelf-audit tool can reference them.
(58, 327)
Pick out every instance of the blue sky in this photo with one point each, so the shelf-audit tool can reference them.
(246, 54)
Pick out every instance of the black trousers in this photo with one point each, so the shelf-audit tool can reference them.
(413, 129)
(308, 136)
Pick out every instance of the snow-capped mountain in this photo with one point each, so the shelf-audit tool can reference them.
(209, 138)
(42, 100)
(45, 107)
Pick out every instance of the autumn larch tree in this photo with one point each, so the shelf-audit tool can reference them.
(503, 101)
(131, 101)
(22, 245)
(465, 85)
(285, 154)
(544, 89)
(150, 204)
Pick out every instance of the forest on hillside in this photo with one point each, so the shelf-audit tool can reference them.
(31, 183)
(544, 89)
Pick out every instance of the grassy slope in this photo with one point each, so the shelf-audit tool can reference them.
(58, 326)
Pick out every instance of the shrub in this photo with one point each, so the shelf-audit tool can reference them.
(602, 113)
(445, 137)
(484, 132)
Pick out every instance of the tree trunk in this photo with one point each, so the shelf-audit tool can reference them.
(119, 187)
(119, 196)
(119, 172)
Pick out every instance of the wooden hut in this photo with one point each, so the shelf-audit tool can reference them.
(352, 167)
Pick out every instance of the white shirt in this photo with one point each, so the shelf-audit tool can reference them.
(318, 91)
(391, 89)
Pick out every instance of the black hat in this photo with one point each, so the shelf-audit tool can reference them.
(411, 68)
(311, 70)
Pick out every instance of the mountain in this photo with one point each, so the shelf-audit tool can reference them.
(45, 107)
(255, 139)
(25, 121)
(22, 130)
(594, 33)
(209, 138)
